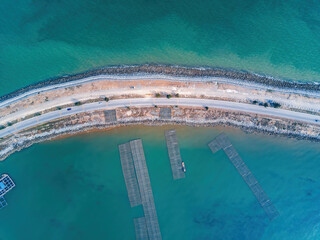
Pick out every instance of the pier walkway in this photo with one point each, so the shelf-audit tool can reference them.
(174, 154)
(222, 142)
(138, 185)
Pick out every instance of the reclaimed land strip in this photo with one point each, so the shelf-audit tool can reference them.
(174, 154)
(140, 228)
(129, 174)
(170, 70)
(223, 142)
(149, 208)
(75, 122)
(191, 102)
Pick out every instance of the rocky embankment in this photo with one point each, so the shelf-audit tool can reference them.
(173, 71)
(150, 116)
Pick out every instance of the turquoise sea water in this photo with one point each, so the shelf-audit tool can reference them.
(42, 39)
(74, 188)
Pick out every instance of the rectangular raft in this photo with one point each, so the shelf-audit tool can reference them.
(222, 142)
(138, 185)
(140, 228)
(129, 174)
(174, 154)
(148, 205)
(165, 113)
(110, 115)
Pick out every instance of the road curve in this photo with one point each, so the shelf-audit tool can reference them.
(145, 102)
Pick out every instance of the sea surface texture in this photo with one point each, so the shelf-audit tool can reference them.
(74, 188)
(43, 39)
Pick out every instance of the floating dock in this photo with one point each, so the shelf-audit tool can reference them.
(174, 154)
(148, 205)
(138, 184)
(165, 113)
(222, 142)
(140, 228)
(6, 184)
(129, 174)
(110, 115)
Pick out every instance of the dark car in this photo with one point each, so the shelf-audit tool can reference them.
(68, 109)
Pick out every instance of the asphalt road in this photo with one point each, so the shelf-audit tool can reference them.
(137, 77)
(250, 108)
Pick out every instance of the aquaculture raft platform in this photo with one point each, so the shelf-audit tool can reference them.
(110, 115)
(138, 184)
(129, 174)
(174, 154)
(6, 184)
(140, 228)
(3, 202)
(165, 113)
(222, 142)
(148, 205)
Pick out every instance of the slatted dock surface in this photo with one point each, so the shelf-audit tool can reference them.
(110, 115)
(174, 154)
(149, 208)
(165, 113)
(140, 228)
(223, 142)
(129, 174)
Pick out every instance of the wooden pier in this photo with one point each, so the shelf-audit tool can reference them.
(174, 154)
(135, 169)
(222, 142)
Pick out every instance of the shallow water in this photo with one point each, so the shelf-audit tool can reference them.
(44, 39)
(73, 188)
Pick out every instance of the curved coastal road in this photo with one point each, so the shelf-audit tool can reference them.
(141, 102)
(138, 77)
